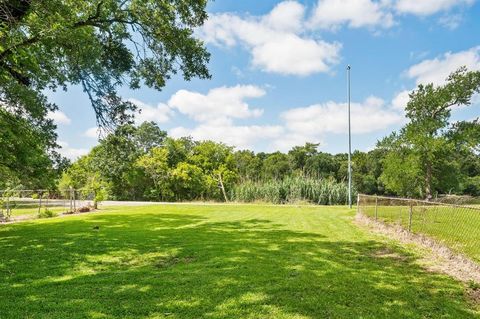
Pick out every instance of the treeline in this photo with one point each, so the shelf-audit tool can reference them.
(143, 163)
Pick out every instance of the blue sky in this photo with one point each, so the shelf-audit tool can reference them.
(279, 74)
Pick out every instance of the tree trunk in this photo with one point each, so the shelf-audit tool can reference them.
(220, 181)
(428, 181)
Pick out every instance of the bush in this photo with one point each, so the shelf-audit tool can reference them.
(293, 190)
(83, 209)
(46, 213)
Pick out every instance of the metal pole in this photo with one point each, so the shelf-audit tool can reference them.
(410, 215)
(349, 144)
(376, 208)
(358, 204)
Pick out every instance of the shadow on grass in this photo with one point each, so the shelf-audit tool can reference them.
(186, 266)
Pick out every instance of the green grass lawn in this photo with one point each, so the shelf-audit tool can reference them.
(456, 227)
(242, 261)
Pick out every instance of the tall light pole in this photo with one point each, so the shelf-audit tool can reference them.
(349, 143)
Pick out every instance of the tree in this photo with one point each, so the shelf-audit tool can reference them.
(247, 164)
(366, 170)
(26, 154)
(216, 162)
(155, 165)
(321, 165)
(148, 135)
(98, 44)
(426, 145)
(114, 158)
(276, 166)
(299, 155)
(188, 181)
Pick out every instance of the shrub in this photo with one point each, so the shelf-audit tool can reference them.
(293, 190)
(46, 213)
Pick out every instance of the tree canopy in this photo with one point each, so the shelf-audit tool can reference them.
(98, 44)
(425, 157)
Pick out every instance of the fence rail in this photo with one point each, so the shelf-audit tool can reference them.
(21, 203)
(455, 226)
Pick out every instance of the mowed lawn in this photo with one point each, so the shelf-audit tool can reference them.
(193, 261)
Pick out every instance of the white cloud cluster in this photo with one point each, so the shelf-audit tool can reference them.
(219, 104)
(355, 13)
(92, 132)
(146, 112)
(284, 41)
(240, 136)
(298, 125)
(275, 40)
(70, 152)
(313, 122)
(428, 7)
(215, 112)
(437, 70)
(59, 117)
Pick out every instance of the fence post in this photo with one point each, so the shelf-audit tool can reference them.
(410, 215)
(376, 208)
(8, 206)
(358, 204)
(40, 201)
(71, 196)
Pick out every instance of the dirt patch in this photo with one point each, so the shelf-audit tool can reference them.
(388, 253)
(474, 296)
(439, 257)
(170, 261)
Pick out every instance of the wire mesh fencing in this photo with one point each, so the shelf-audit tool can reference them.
(25, 204)
(455, 226)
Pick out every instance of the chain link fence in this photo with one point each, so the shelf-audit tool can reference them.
(455, 226)
(18, 204)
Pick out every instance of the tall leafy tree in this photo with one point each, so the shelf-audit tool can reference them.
(148, 135)
(419, 160)
(276, 166)
(98, 44)
(299, 155)
(26, 156)
(247, 164)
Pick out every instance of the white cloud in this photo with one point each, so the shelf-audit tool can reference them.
(93, 132)
(59, 117)
(451, 21)
(275, 40)
(219, 104)
(428, 7)
(313, 123)
(438, 69)
(216, 111)
(242, 137)
(287, 141)
(354, 13)
(69, 152)
(400, 100)
(146, 112)
(331, 117)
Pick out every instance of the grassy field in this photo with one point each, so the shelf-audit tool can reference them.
(216, 262)
(456, 227)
